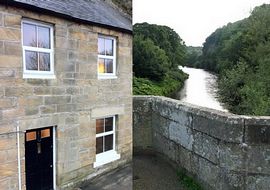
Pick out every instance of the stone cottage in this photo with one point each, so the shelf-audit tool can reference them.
(65, 92)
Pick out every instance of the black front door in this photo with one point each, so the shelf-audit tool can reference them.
(39, 159)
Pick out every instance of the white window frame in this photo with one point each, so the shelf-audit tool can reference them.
(32, 73)
(111, 155)
(108, 75)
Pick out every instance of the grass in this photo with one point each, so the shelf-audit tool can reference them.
(188, 182)
(172, 82)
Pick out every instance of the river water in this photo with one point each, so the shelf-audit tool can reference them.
(200, 89)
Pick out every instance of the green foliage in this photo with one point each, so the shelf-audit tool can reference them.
(157, 53)
(150, 61)
(240, 53)
(188, 182)
(166, 39)
(193, 56)
(173, 81)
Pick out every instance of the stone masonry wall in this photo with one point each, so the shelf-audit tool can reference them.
(223, 151)
(66, 102)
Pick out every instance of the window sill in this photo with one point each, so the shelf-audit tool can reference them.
(107, 77)
(38, 76)
(105, 158)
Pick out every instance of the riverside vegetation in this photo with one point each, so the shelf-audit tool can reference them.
(240, 55)
(157, 53)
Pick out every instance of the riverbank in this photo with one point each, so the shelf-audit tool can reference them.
(172, 83)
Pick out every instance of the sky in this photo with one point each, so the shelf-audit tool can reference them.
(193, 20)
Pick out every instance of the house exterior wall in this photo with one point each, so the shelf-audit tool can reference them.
(70, 103)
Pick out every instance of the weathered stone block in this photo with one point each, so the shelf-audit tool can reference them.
(7, 73)
(44, 90)
(232, 156)
(66, 108)
(57, 100)
(160, 124)
(7, 103)
(13, 113)
(208, 172)
(7, 61)
(224, 128)
(10, 34)
(47, 109)
(30, 101)
(13, 48)
(181, 134)
(77, 34)
(230, 180)
(18, 91)
(258, 182)
(58, 90)
(257, 130)
(13, 21)
(206, 146)
(8, 169)
(183, 158)
(258, 160)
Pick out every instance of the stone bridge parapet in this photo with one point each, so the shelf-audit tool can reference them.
(222, 150)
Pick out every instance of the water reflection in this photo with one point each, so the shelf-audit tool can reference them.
(200, 89)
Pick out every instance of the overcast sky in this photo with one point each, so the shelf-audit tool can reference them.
(193, 20)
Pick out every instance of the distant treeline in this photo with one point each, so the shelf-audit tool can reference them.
(157, 53)
(240, 54)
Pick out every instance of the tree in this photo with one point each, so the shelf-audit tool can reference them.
(149, 60)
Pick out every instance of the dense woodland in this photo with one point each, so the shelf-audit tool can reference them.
(157, 53)
(240, 54)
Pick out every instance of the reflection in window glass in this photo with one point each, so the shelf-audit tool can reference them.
(43, 37)
(31, 59)
(101, 66)
(109, 65)
(29, 35)
(109, 124)
(44, 61)
(101, 46)
(99, 126)
(109, 47)
(99, 145)
(108, 142)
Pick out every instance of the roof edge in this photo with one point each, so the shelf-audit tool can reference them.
(60, 15)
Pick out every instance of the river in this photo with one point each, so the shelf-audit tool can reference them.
(200, 89)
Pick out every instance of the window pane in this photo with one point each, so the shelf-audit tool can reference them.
(109, 65)
(99, 145)
(99, 126)
(31, 60)
(101, 66)
(44, 61)
(30, 136)
(109, 47)
(108, 142)
(43, 37)
(109, 124)
(101, 46)
(29, 35)
(45, 133)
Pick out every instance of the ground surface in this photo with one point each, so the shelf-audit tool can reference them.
(120, 179)
(152, 173)
(149, 173)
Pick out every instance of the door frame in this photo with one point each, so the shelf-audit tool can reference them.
(54, 155)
